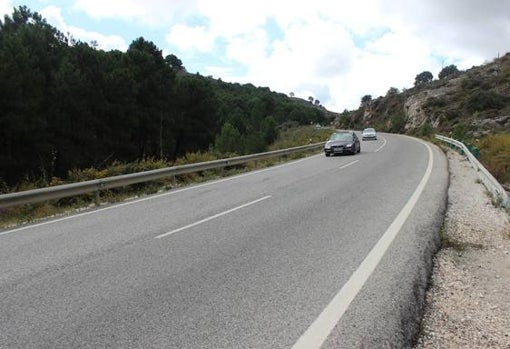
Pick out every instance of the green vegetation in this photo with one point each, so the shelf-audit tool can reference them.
(296, 136)
(448, 71)
(426, 130)
(290, 137)
(460, 133)
(481, 100)
(495, 156)
(398, 123)
(423, 78)
(67, 106)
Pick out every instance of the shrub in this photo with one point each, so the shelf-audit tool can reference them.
(495, 156)
(483, 100)
(426, 129)
(459, 132)
(398, 123)
(435, 102)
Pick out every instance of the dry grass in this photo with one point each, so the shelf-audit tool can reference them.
(28, 213)
(297, 136)
(495, 155)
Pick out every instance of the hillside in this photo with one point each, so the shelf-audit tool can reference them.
(66, 105)
(472, 106)
(478, 99)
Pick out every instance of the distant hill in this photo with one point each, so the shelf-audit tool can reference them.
(474, 103)
(66, 105)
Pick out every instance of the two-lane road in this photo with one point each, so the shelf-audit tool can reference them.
(314, 252)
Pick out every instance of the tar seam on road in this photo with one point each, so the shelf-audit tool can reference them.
(212, 217)
(319, 330)
(349, 164)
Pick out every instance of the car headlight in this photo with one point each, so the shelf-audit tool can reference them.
(327, 146)
(348, 145)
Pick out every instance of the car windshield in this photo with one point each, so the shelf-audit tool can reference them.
(369, 130)
(341, 137)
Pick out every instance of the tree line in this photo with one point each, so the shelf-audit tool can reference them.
(65, 104)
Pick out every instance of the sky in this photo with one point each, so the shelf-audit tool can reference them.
(335, 51)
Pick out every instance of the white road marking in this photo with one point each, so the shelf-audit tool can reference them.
(382, 146)
(212, 217)
(349, 164)
(319, 330)
(152, 197)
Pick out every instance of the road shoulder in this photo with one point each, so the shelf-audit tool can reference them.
(468, 303)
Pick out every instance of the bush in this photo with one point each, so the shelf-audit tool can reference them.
(495, 156)
(483, 100)
(297, 136)
(229, 140)
(460, 133)
(426, 129)
(398, 123)
(435, 102)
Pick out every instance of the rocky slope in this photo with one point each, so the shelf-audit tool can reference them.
(476, 100)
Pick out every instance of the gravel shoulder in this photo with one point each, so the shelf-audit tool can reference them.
(468, 302)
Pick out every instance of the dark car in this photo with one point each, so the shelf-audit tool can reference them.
(342, 142)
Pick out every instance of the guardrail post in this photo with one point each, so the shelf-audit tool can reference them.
(97, 198)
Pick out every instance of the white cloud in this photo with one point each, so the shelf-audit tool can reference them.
(247, 48)
(5, 8)
(147, 12)
(54, 16)
(316, 55)
(465, 31)
(187, 38)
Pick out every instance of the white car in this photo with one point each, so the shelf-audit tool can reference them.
(369, 133)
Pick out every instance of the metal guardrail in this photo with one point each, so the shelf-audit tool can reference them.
(497, 191)
(96, 185)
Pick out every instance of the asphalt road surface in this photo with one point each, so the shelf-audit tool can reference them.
(321, 252)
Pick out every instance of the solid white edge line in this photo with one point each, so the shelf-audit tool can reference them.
(319, 330)
(349, 164)
(212, 217)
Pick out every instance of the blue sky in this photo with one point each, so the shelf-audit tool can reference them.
(335, 51)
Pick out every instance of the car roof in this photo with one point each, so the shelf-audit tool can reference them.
(351, 133)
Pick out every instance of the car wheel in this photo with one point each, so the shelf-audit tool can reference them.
(359, 149)
(327, 155)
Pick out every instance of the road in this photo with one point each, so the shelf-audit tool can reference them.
(319, 251)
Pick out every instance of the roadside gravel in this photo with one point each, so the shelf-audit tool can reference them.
(468, 302)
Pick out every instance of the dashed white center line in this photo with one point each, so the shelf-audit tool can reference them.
(349, 164)
(382, 146)
(212, 217)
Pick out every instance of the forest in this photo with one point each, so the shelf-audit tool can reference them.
(65, 104)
